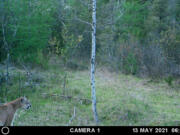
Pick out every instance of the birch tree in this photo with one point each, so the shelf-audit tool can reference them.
(93, 53)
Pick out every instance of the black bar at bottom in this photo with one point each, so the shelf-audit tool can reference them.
(91, 130)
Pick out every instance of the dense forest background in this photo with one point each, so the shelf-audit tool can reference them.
(137, 37)
(45, 51)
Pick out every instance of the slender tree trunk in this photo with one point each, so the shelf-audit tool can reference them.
(7, 68)
(93, 61)
(6, 46)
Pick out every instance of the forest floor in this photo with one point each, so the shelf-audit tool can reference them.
(121, 99)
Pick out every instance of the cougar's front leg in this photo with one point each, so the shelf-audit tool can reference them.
(8, 121)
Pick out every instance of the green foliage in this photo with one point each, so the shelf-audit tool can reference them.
(130, 65)
(35, 30)
(157, 16)
(165, 31)
(76, 34)
(132, 20)
(169, 80)
(31, 23)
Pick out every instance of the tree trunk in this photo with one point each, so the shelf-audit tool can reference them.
(93, 61)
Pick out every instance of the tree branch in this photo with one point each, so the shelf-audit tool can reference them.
(78, 19)
(73, 116)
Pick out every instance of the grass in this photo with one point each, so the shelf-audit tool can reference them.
(121, 99)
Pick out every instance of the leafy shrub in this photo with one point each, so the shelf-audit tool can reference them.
(130, 64)
(169, 80)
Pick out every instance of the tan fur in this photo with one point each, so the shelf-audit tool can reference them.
(8, 110)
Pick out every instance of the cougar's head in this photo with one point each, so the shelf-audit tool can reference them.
(25, 103)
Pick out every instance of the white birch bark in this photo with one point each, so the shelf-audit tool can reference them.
(93, 53)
